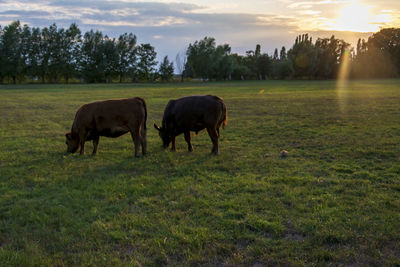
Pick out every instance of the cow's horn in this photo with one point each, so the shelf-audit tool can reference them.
(155, 126)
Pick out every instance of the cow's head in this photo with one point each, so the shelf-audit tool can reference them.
(72, 142)
(164, 135)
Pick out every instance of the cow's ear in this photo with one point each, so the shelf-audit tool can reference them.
(157, 128)
(68, 136)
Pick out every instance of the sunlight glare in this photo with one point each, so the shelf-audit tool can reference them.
(343, 78)
(358, 17)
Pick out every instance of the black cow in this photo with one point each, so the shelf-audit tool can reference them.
(193, 113)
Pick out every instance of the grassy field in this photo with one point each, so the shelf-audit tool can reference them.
(334, 200)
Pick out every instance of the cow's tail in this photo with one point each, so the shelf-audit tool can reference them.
(145, 112)
(224, 119)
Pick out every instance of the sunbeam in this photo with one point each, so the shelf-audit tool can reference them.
(342, 82)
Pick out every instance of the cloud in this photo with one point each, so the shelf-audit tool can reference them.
(309, 4)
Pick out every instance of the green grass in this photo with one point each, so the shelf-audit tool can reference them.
(334, 200)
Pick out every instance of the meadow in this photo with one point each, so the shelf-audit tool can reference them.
(335, 200)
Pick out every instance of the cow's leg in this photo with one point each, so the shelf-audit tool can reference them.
(212, 132)
(143, 141)
(82, 140)
(188, 141)
(134, 129)
(95, 144)
(173, 148)
(136, 141)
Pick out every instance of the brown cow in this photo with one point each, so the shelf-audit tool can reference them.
(193, 113)
(110, 118)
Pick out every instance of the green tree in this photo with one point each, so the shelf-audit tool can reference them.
(283, 69)
(303, 57)
(34, 53)
(329, 53)
(282, 54)
(222, 62)
(146, 62)
(208, 61)
(54, 38)
(50, 49)
(166, 69)
(70, 48)
(127, 55)
(257, 52)
(2, 57)
(25, 50)
(385, 44)
(264, 63)
(92, 61)
(12, 62)
(44, 54)
(250, 61)
(110, 58)
(258, 64)
(200, 57)
(275, 56)
(239, 68)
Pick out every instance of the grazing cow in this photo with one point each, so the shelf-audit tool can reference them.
(110, 118)
(193, 113)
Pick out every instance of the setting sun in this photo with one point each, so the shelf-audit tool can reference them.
(357, 17)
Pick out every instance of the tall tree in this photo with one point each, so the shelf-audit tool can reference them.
(50, 50)
(110, 58)
(127, 55)
(55, 37)
(12, 61)
(250, 62)
(239, 67)
(92, 62)
(379, 57)
(34, 55)
(25, 43)
(386, 42)
(3, 65)
(282, 54)
(303, 56)
(222, 62)
(146, 62)
(329, 53)
(200, 56)
(257, 52)
(70, 46)
(275, 56)
(264, 66)
(166, 69)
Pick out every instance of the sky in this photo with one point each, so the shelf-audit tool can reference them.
(170, 26)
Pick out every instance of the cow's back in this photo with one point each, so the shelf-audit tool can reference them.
(109, 114)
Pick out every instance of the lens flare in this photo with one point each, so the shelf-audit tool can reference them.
(342, 83)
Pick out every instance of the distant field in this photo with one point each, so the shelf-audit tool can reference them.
(334, 200)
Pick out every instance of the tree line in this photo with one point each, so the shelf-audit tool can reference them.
(378, 57)
(55, 55)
